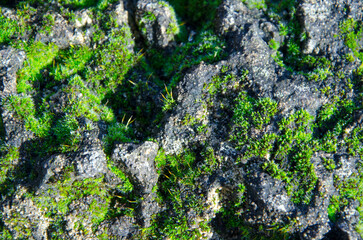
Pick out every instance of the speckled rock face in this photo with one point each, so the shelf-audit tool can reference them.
(157, 22)
(127, 119)
(321, 19)
(64, 34)
(139, 162)
(11, 60)
(90, 160)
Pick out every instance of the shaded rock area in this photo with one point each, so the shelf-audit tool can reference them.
(123, 120)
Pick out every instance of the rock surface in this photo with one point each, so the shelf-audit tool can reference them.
(249, 125)
(157, 22)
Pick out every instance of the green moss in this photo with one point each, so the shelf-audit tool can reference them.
(289, 54)
(24, 108)
(248, 113)
(352, 32)
(287, 152)
(147, 19)
(39, 55)
(176, 186)
(73, 4)
(259, 4)
(66, 133)
(9, 29)
(5, 234)
(116, 132)
(169, 101)
(349, 189)
(273, 44)
(127, 186)
(62, 193)
(114, 60)
(14, 29)
(206, 47)
(69, 62)
(9, 157)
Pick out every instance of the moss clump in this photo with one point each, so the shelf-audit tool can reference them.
(352, 33)
(116, 132)
(287, 152)
(206, 47)
(114, 59)
(39, 56)
(72, 4)
(63, 193)
(9, 159)
(24, 109)
(9, 27)
(13, 30)
(176, 188)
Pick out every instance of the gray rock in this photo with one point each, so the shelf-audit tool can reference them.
(347, 222)
(296, 92)
(256, 56)
(81, 214)
(346, 166)
(83, 18)
(176, 134)
(233, 16)
(157, 22)
(124, 227)
(53, 168)
(11, 60)
(320, 20)
(138, 161)
(15, 132)
(22, 214)
(267, 196)
(120, 14)
(90, 160)
(63, 34)
(149, 208)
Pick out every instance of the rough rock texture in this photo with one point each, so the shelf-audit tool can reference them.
(11, 60)
(64, 34)
(90, 161)
(30, 214)
(320, 20)
(190, 93)
(139, 162)
(346, 222)
(122, 228)
(257, 144)
(157, 22)
(15, 131)
(53, 168)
